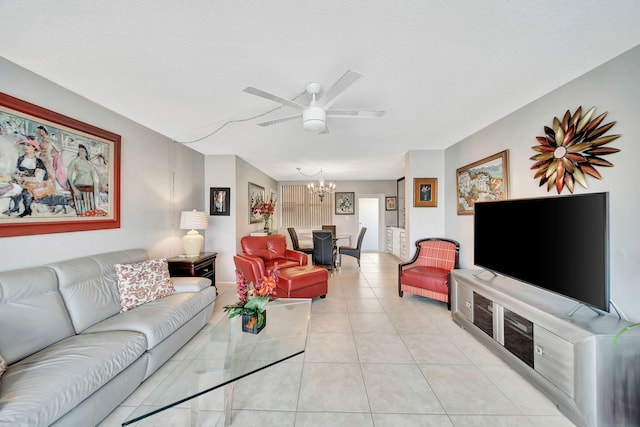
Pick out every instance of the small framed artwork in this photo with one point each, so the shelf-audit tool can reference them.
(486, 179)
(220, 200)
(256, 196)
(390, 203)
(345, 204)
(425, 192)
(57, 174)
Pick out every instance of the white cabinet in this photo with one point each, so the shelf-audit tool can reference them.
(397, 242)
(570, 358)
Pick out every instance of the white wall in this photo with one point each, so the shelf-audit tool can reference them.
(425, 221)
(614, 88)
(158, 180)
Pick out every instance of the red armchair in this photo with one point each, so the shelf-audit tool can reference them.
(428, 273)
(271, 250)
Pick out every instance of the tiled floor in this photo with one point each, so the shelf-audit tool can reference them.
(372, 359)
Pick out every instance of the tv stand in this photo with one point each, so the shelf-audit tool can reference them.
(570, 358)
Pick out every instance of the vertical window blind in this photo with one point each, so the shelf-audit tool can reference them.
(302, 209)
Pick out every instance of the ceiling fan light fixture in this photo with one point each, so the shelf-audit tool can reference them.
(314, 119)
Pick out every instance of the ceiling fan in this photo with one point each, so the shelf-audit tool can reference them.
(314, 116)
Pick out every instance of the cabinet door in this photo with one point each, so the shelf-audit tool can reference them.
(483, 314)
(553, 359)
(465, 300)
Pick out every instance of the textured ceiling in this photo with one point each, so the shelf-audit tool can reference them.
(441, 69)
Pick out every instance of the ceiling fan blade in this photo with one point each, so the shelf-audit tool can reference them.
(355, 113)
(276, 121)
(263, 94)
(335, 91)
(325, 131)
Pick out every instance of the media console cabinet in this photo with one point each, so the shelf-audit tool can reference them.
(570, 358)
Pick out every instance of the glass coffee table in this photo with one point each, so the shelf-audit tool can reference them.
(226, 355)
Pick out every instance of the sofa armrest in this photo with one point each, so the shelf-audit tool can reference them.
(297, 256)
(190, 284)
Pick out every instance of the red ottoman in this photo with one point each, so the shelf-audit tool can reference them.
(307, 281)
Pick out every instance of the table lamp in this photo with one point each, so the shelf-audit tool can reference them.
(193, 241)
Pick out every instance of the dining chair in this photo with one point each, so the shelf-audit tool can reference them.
(330, 227)
(352, 251)
(324, 250)
(295, 243)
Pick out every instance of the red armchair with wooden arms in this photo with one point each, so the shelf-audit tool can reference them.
(272, 249)
(428, 273)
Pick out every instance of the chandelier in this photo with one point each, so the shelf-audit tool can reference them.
(321, 189)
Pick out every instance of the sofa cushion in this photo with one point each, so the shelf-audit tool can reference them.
(190, 284)
(3, 365)
(89, 285)
(142, 282)
(32, 313)
(46, 385)
(159, 318)
(434, 279)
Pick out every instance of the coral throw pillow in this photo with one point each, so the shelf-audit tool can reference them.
(142, 282)
(3, 365)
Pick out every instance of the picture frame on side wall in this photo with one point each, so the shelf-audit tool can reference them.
(390, 203)
(256, 195)
(220, 201)
(425, 192)
(486, 179)
(57, 174)
(345, 203)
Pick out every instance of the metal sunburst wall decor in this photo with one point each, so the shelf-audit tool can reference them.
(572, 149)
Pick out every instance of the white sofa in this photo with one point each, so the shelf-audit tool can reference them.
(72, 355)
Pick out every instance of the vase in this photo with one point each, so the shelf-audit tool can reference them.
(266, 225)
(250, 323)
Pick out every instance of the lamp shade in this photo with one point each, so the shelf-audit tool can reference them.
(192, 221)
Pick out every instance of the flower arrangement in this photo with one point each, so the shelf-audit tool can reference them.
(253, 300)
(264, 209)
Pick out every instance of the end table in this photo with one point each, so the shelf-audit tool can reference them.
(203, 265)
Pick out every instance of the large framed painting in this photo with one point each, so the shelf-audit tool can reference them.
(256, 196)
(57, 174)
(486, 179)
(425, 192)
(219, 200)
(345, 203)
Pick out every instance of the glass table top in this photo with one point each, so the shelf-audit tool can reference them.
(228, 354)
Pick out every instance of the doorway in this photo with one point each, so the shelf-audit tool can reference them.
(369, 216)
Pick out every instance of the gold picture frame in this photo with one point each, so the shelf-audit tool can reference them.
(425, 192)
(486, 179)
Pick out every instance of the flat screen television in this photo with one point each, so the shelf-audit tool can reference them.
(560, 243)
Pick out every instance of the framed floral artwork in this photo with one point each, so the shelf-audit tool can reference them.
(57, 174)
(425, 192)
(390, 203)
(256, 196)
(345, 203)
(486, 179)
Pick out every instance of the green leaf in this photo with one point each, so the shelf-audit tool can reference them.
(622, 331)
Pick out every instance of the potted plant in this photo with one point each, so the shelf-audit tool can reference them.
(253, 301)
(265, 210)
